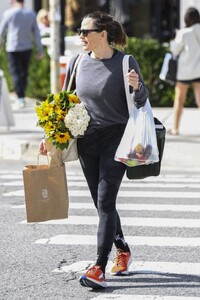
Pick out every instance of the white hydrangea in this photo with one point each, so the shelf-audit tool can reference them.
(77, 120)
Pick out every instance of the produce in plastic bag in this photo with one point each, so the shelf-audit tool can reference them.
(139, 145)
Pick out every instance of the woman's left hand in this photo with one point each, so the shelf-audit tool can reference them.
(133, 79)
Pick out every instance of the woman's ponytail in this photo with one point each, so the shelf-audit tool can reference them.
(116, 34)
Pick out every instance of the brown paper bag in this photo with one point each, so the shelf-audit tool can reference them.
(46, 193)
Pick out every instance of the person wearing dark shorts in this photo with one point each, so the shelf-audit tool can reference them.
(186, 46)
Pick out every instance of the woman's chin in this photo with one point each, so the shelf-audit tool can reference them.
(85, 48)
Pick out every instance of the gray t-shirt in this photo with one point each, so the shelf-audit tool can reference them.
(22, 30)
(100, 86)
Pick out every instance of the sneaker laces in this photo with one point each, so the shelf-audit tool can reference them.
(119, 259)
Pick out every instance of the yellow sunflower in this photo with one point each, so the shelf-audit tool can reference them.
(73, 98)
(49, 126)
(62, 138)
(57, 98)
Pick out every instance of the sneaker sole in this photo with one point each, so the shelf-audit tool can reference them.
(91, 283)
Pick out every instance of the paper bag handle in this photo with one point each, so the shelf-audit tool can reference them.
(38, 156)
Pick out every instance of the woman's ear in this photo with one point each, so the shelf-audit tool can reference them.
(104, 34)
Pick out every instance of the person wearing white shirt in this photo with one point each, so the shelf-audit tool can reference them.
(186, 46)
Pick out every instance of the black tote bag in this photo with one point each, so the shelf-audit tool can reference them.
(143, 171)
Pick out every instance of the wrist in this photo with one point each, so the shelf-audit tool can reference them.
(139, 87)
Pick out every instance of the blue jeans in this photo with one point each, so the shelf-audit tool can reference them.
(104, 176)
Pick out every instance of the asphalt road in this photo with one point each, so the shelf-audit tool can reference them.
(161, 222)
(160, 217)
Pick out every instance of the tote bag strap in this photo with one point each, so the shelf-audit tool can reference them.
(125, 66)
(129, 99)
(74, 71)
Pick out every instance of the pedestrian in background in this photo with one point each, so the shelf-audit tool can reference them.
(20, 27)
(43, 22)
(186, 46)
(100, 87)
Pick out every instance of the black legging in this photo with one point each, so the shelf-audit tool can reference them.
(104, 176)
(18, 65)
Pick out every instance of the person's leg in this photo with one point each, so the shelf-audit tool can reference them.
(111, 174)
(24, 60)
(180, 97)
(109, 230)
(15, 68)
(196, 88)
(89, 158)
(104, 176)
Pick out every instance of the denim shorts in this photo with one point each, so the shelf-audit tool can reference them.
(189, 81)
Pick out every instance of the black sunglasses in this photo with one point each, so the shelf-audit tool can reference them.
(85, 32)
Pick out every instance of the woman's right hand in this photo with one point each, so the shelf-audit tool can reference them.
(42, 148)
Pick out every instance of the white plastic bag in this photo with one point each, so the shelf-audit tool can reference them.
(138, 145)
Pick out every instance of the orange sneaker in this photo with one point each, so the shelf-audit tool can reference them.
(93, 278)
(121, 263)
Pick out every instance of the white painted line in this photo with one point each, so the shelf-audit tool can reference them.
(141, 297)
(127, 194)
(168, 178)
(143, 194)
(19, 193)
(134, 207)
(146, 185)
(129, 221)
(12, 183)
(11, 176)
(79, 176)
(137, 267)
(155, 241)
(155, 181)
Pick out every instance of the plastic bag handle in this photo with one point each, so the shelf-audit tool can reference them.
(125, 66)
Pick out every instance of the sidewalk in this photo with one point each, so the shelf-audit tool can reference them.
(181, 152)
(24, 135)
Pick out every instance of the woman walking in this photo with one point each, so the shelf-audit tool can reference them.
(100, 86)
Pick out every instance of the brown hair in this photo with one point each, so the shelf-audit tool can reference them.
(191, 17)
(104, 21)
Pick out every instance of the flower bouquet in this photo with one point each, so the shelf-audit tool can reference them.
(62, 117)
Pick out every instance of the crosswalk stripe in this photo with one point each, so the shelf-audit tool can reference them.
(11, 176)
(12, 183)
(140, 267)
(129, 221)
(141, 297)
(145, 194)
(144, 185)
(132, 240)
(79, 173)
(126, 194)
(123, 185)
(80, 177)
(134, 207)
